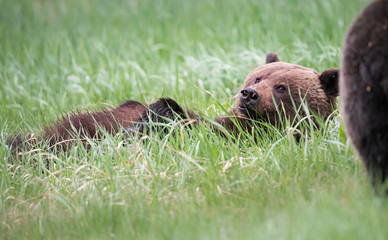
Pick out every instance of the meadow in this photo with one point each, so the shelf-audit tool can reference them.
(77, 55)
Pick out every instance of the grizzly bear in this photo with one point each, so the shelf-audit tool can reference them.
(276, 90)
(364, 87)
(272, 91)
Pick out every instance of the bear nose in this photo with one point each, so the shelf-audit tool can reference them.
(249, 96)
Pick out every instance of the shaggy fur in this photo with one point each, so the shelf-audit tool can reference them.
(364, 87)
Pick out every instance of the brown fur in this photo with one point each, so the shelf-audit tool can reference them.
(88, 124)
(62, 133)
(364, 87)
(319, 90)
(131, 115)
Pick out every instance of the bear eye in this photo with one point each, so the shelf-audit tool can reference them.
(257, 80)
(280, 88)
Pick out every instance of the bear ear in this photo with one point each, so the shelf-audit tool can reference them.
(329, 82)
(272, 57)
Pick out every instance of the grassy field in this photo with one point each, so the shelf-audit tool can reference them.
(58, 56)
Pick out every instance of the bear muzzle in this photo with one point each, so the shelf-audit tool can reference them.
(249, 99)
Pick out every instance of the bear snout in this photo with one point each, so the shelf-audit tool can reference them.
(249, 97)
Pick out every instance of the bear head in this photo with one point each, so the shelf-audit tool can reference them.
(276, 89)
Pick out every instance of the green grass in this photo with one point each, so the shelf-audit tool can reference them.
(58, 56)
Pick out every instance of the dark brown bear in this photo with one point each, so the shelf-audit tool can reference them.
(283, 82)
(364, 87)
(130, 115)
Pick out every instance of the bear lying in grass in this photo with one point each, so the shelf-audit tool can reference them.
(364, 87)
(270, 92)
(276, 89)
